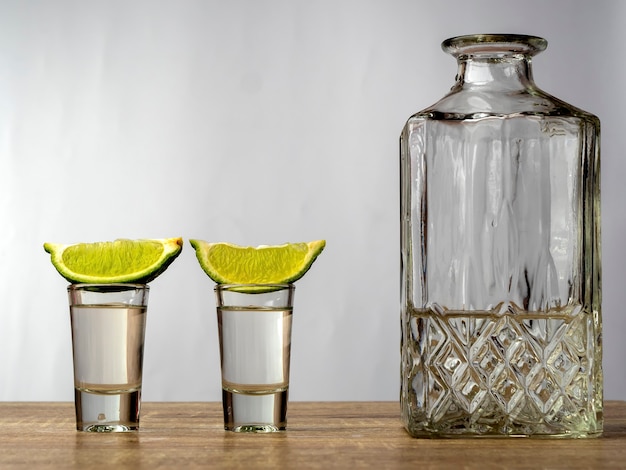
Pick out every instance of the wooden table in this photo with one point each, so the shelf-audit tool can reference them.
(320, 435)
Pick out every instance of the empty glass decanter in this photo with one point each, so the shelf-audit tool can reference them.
(500, 254)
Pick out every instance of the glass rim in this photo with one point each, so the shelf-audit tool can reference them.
(272, 285)
(494, 44)
(113, 286)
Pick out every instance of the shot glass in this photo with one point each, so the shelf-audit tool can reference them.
(254, 323)
(108, 330)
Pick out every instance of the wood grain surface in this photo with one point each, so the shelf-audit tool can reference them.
(320, 435)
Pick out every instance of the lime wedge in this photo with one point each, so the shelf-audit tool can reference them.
(227, 263)
(138, 261)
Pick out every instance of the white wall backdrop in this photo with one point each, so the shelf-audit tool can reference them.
(255, 122)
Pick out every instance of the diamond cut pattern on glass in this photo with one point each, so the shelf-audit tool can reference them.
(502, 374)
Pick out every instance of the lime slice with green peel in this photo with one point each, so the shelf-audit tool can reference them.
(226, 263)
(119, 261)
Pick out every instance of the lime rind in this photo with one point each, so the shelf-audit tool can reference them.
(227, 263)
(119, 261)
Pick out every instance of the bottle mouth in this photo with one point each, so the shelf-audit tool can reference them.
(494, 45)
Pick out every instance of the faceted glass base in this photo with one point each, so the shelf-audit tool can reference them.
(491, 375)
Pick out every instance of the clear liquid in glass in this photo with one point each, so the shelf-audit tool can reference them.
(108, 342)
(255, 348)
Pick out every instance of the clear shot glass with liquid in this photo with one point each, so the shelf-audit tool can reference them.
(108, 330)
(254, 323)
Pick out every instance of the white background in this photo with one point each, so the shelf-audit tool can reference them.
(255, 122)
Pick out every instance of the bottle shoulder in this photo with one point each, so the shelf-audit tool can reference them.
(477, 103)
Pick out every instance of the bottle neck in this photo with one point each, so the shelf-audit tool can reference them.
(495, 62)
(507, 73)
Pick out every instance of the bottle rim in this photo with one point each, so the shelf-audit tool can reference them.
(494, 45)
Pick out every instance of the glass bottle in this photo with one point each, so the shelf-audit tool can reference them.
(500, 254)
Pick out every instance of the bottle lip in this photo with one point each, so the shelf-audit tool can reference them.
(494, 45)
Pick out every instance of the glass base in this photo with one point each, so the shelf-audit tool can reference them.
(502, 374)
(255, 413)
(107, 428)
(107, 412)
(255, 428)
(531, 434)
